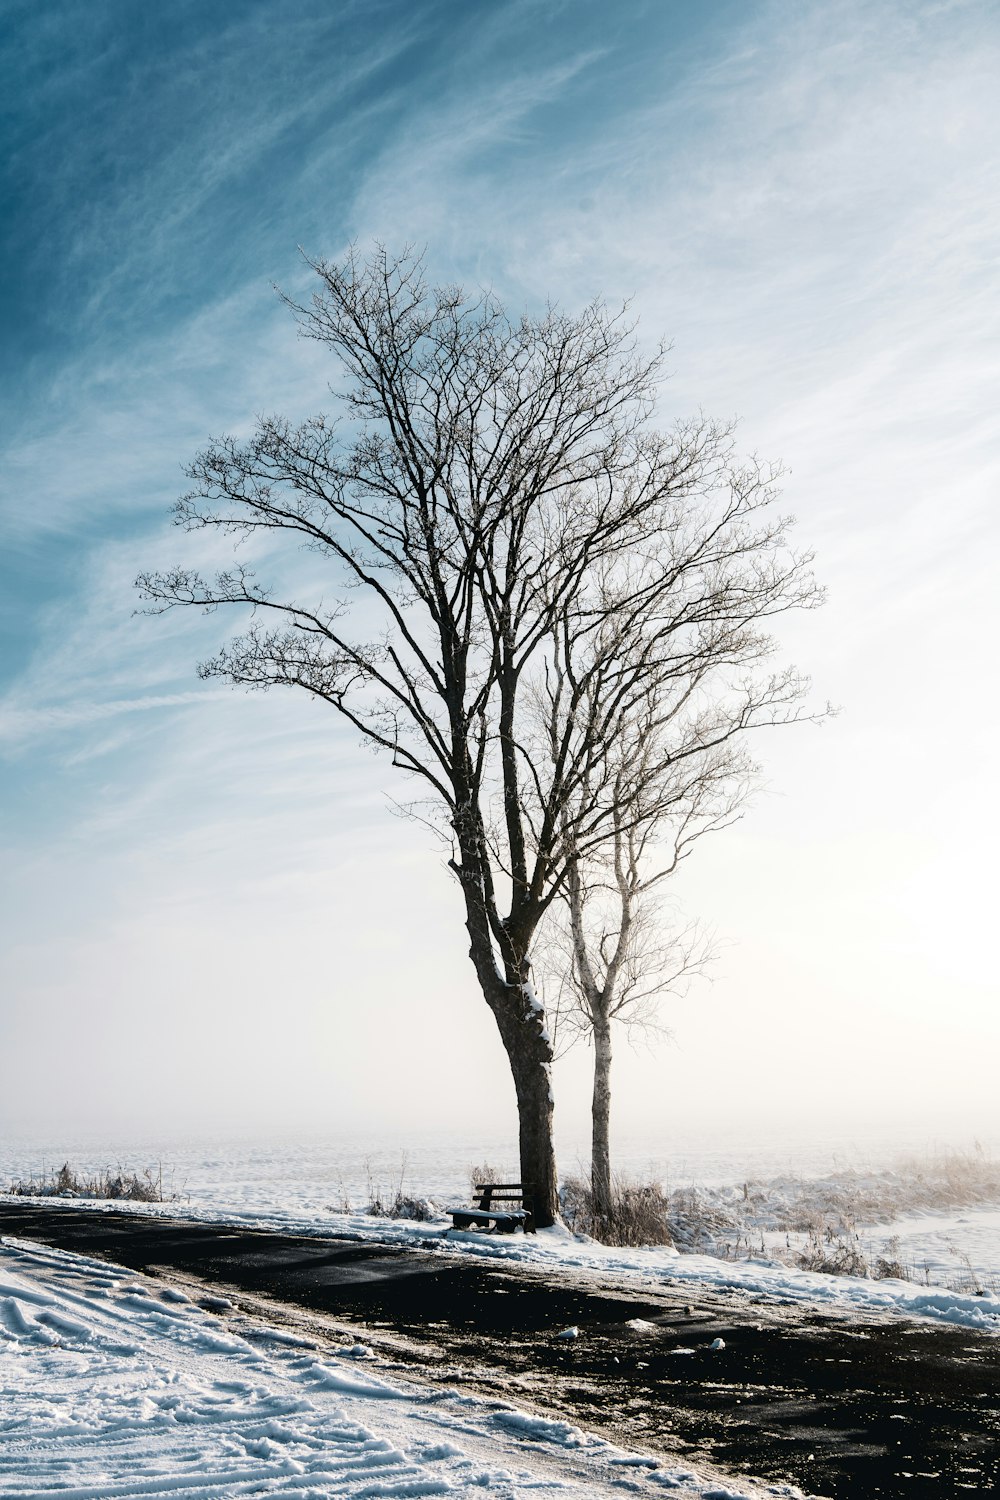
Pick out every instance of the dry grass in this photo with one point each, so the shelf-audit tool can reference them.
(486, 1172)
(835, 1254)
(119, 1184)
(821, 1220)
(395, 1202)
(946, 1180)
(639, 1213)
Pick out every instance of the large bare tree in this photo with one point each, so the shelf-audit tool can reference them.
(488, 478)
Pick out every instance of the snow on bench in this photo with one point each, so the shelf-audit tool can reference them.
(504, 1219)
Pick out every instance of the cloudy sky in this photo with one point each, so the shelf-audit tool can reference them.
(209, 911)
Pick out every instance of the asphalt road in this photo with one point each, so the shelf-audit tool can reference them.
(842, 1407)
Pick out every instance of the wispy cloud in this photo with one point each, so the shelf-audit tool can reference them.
(21, 724)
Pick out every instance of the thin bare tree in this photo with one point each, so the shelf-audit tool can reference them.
(675, 769)
(615, 953)
(623, 960)
(490, 477)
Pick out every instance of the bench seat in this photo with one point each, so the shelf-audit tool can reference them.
(506, 1220)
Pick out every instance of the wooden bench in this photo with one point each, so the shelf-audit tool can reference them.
(495, 1212)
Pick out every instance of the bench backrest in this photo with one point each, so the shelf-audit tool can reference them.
(502, 1192)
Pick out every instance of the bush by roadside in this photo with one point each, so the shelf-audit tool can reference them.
(640, 1213)
(814, 1224)
(142, 1187)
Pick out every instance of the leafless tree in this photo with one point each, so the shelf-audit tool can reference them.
(622, 962)
(492, 481)
(694, 679)
(612, 953)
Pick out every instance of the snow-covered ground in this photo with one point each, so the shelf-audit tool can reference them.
(754, 1205)
(112, 1385)
(959, 1248)
(115, 1385)
(558, 1251)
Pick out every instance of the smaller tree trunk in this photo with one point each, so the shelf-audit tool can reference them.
(600, 1155)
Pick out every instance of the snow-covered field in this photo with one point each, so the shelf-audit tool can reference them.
(309, 1171)
(755, 1196)
(115, 1385)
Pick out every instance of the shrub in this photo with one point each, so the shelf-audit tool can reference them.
(395, 1203)
(834, 1252)
(639, 1212)
(402, 1206)
(120, 1184)
(487, 1173)
(886, 1270)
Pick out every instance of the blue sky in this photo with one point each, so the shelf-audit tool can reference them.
(802, 197)
(161, 165)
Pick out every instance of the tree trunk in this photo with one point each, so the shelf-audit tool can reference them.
(521, 1023)
(522, 1030)
(533, 1082)
(600, 1156)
